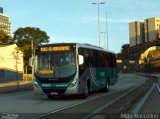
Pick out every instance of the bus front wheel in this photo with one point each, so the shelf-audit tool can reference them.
(85, 95)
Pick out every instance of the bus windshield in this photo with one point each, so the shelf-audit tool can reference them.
(55, 65)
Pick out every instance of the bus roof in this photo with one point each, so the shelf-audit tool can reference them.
(89, 46)
(83, 45)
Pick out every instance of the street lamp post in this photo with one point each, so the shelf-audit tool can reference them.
(17, 73)
(33, 52)
(99, 35)
(16, 57)
(104, 40)
(107, 28)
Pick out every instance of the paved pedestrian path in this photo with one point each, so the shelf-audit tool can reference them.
(15, 83)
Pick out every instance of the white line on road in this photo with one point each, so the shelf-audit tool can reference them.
(73, 105)
(158, 88)
(111, 102)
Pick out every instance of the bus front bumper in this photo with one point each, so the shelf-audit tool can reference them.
(37, 89)
(68, 90)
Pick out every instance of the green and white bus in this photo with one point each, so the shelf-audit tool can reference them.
(73, 68)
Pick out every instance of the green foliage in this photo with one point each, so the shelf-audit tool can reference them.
(23, 38)
(124, 46)
(4, 38)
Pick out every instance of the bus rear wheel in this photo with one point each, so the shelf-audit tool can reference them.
(106, 89)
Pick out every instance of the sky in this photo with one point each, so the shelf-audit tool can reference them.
(77, 20)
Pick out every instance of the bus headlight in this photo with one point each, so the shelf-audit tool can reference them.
(73, 83)
(36, 84)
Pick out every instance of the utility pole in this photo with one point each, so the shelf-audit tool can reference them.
(16, 57)
(107, 30)
(17, 70)
(99, 32)
(104, 40)
(32, 45)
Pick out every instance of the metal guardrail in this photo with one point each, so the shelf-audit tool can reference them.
(141, 103)
(158, 88)
(143, 100)
(99, 110)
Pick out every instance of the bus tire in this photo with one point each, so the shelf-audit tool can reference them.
(106, 89)
(85, 95)
(50, 97)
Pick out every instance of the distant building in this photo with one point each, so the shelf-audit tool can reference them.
(152, 28)
(136, 33)
(1, 10)
(11, 63)
(147, 31)
(5, 25)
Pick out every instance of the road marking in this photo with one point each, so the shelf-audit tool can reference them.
(73, 105)
(142, 101)
(158, 88)
(110, 103)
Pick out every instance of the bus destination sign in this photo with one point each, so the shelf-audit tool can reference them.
(55, 48)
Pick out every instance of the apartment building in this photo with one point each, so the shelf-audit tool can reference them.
(136, 33)
(5, 25)
(152, 28)
(1, 10)
(147, 31)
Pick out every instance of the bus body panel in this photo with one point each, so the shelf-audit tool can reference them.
(76, 88)
(37, 89)
(99, 68)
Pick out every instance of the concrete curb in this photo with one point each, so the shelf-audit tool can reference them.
(22, 87)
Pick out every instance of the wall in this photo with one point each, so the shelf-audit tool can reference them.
(11, 63)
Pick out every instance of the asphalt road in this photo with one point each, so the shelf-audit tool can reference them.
(28, 103)
(152, 104)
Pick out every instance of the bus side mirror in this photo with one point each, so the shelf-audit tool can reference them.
(80, 59)
(31, 61)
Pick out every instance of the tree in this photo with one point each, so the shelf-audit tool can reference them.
(4, 38)
(17, 56)
(23, 38)
(124, 46)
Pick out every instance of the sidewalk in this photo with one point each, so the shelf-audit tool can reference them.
(15, 86)
(15, 83)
